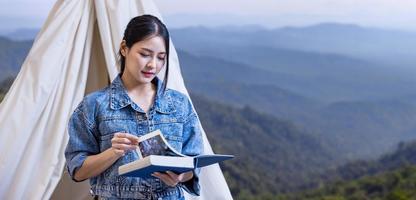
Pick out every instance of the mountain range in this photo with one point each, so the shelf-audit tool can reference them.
(352, 123)
(12, 55)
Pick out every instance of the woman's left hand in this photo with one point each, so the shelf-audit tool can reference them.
(172, 179)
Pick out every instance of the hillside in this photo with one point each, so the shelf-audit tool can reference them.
(12, 55)
(265, 98)
(402, 156)
(208, 68)
(4, 86)
(350, 125)
(392, 176)
(272, 155)
(323, 76)
(368, 125)
(399, 184)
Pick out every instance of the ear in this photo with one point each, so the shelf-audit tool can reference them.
(123, 48)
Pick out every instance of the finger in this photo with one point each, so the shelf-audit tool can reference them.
(132, 137)
(121, 140)
(123, 146)
(161, 177)
(165, 178)
(173, 176)
(120, 134)
(185, 176)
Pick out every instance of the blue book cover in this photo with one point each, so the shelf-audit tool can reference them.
(145, 167)
(205, 160)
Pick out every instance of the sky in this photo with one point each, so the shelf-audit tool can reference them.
(389, 14)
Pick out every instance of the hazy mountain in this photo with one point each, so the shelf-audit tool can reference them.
(264, 98)
(353, 40)
(21, 34)
(205, 68)
(272, 155)
(352, 126)
(214, 21)
(12, 55)
(368, 128)
(379, 45)
(329, 75)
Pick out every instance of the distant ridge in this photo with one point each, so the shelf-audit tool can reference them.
(21, 34)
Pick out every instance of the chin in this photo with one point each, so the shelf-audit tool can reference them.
(144, 80)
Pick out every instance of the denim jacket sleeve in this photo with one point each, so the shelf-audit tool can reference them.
(193, 145)
(82, 142)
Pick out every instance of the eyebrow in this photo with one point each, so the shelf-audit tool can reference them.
(146, 49)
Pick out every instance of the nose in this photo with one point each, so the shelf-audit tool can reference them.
(152, 63)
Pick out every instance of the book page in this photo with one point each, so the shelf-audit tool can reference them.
(155, 144)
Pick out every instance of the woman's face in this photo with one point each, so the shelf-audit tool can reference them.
(144, 59)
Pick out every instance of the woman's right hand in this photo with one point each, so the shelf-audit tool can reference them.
(96, 164)
(123, 142)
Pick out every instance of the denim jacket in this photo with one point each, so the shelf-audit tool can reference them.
(110, 110)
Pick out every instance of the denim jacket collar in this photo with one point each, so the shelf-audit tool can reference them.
(120, 99)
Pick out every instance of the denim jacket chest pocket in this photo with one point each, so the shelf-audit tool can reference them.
(110, 123)
(171, 127)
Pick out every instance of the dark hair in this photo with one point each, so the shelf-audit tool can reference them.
(141, 28)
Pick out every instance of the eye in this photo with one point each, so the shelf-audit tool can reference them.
(144, 54)
(161, 58)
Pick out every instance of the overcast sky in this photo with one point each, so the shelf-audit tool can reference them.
(397, 14)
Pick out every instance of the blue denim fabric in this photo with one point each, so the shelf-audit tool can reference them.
(110, 110)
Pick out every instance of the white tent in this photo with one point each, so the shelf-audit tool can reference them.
(73, 54)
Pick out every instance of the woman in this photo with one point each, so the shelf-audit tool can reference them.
(104, 128)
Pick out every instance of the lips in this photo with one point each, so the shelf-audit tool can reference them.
(148, 74)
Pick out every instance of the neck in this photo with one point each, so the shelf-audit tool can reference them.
(137, 89)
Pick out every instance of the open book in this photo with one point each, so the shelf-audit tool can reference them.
(156, 155)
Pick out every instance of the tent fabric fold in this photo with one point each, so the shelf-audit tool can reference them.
(74, 53)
